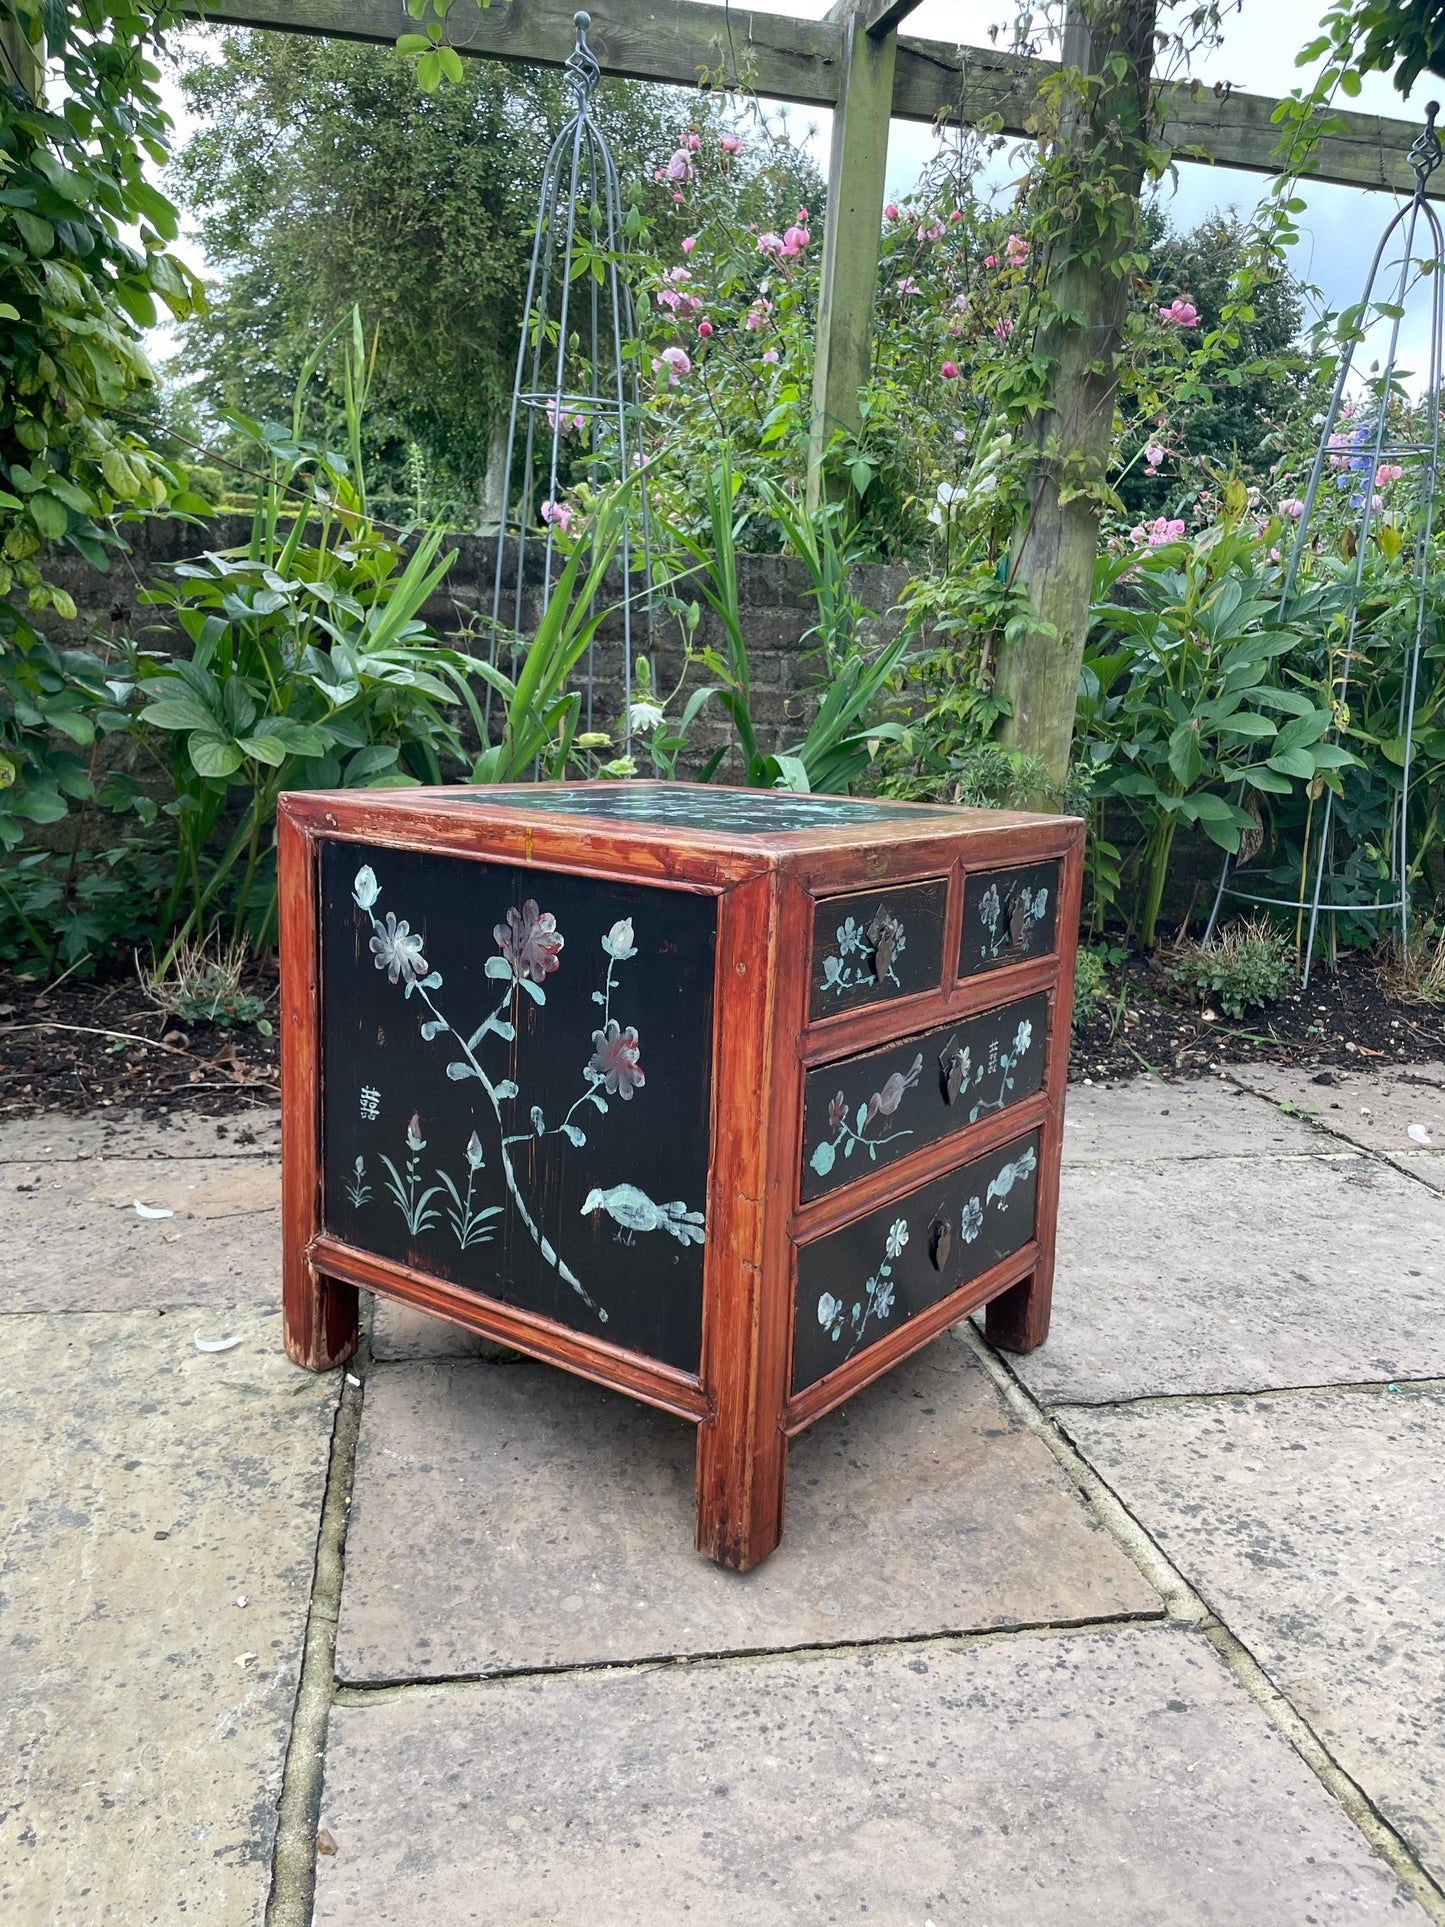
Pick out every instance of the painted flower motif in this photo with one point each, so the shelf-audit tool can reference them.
(971, 1221)
(618, 941)
(897, 1237)
(850, 936)
(365, 890)
(828, 1309)
(614, 1061)
(1023, 1037)
(883, 1299)
(397, 949)
(990, 909)
(414, 1139)
(529, 940)
(1041, 903)
(474, 1152)
(837, 1111)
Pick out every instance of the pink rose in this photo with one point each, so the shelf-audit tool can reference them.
(890, 213)
(795, 240)
(679, 168)
(1016, 251)
(557, 515)
(1153, 454)
(990, 260)
(949, 371)
(730, 144)
(704, 328)
(1180, 314)
(689, 242)
(769, 243)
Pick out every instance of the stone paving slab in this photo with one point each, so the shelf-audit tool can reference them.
(60, 1139)
(1374, 1109)
(1213, 1276)
(1315, 1528)
(77, 1243)
(1149, 1119)
(1098, 1780)
(511, 1517)
(401, 1332)
(141, 1762)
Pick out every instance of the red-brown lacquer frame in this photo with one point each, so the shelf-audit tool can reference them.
(766, 889)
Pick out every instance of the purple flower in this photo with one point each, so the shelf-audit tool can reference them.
(614, 1060)
(837, 1111)
(397, 949)
(529, 940)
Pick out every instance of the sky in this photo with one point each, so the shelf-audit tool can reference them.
(1259, 42)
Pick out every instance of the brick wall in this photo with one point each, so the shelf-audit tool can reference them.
(778, 610)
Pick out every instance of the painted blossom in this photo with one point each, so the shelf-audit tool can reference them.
(897, 1237)
(837, 1111)
(529, 940)
(396, 948)
(614, 1060)
(1181, 314)
(414, 1139)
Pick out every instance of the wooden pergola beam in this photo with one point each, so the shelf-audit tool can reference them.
(801, 61)
(886, 16)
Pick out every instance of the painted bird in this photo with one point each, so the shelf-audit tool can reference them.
(635, 1211)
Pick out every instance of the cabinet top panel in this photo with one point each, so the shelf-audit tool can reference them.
(710, 813)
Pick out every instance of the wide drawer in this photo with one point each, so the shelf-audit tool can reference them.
(871, 945)
(1008, 915)
(865, 1280)
(868, 1110)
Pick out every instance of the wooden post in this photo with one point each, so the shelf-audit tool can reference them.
(856, 169)
(1111, 42)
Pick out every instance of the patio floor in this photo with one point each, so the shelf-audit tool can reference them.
(1144, 1628)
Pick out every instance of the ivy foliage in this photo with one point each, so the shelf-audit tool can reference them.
(85, 264)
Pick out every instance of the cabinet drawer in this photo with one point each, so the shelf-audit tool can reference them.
(1007, 915)
(871, 1109)
(874, 944)
(859, 1283)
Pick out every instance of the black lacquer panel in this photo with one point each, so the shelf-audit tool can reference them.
(1007, 915)
(516, 1072)
(885, 1103)
(857, 1284)
(875, 944)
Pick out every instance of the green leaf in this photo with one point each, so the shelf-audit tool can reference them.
(51, 516)
(451, 63)
(38, 235)
(1260, 778)
(182, 711)
(429, 72)
(265, 747)
(1246, 723)
(1185, 757)
(214, 756)
(1293, 762)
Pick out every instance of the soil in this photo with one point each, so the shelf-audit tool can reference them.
(1348, 1016)
(97, 1043)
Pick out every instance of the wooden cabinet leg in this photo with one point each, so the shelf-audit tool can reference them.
(318, 1316)
(740, 1485)
(1018, 1319)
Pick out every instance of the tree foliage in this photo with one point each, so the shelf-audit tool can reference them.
(323, 175)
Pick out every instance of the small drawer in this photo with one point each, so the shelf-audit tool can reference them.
(859, 1283)
(1007, 915)
(875, 944)
(869, 1110)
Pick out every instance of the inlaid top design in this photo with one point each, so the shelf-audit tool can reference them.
(696, 806)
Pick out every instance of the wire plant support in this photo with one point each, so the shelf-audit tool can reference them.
(1316, 898)
(575, 405)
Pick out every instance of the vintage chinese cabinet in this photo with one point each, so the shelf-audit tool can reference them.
(728, 1099)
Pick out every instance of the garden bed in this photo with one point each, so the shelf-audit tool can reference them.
(100, 1043)
(85, 1045)
(1348, 1016)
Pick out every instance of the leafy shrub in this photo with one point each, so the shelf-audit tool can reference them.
(1249, 963)
(1090, 984)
